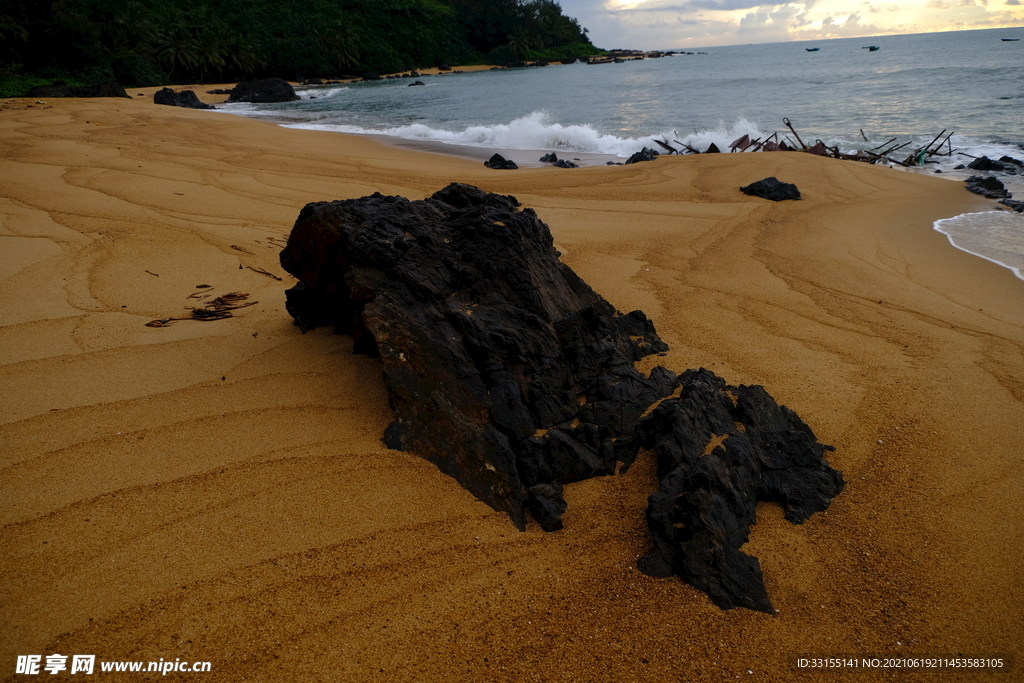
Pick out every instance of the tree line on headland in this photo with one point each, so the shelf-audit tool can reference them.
(157, 42)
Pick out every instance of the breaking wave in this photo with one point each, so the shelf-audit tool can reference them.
(537, 132)
(996, 236)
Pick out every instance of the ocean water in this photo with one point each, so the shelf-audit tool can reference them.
(914, 87)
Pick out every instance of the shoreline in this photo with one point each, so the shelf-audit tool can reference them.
(218, 491)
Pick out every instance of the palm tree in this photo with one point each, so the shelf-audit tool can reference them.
(342, 42)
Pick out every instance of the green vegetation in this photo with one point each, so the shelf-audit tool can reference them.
(153, 42)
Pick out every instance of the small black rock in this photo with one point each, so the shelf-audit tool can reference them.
(772, 188)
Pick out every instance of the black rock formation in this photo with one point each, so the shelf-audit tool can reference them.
(61, 89)
(1014, 204)
(772, 188)
(549, 158)
(185, 98)
(645, 154)
(987, 187)
(503, 367)
(263, 90)
(371, 76)
(514, 377)
(218, 91)
(500, 163)
(1006, 164)
(721, 450)
(416, 83)
(713, 149)
(565, 163)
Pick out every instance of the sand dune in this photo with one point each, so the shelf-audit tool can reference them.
(218, 491)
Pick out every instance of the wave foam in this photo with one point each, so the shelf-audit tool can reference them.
(536, 132)
(996, 236)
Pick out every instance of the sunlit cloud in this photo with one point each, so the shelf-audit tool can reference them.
(652, 24)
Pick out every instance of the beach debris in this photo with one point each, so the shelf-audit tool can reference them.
(241, 249)
(152, 273)
(263, 90)
(772, 188)
(720, 451)
(987, 186)
(740, 143)
(665, 145)
(514, 377)
(264, 272)
(185, 98)
(217, 309)
(500, 163)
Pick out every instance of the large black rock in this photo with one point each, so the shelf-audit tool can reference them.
(987, 186)
(500, 163)
(263, 90)
(503, 367)
(772, 188)
(512, 375)
(721, 450)
(185, 98)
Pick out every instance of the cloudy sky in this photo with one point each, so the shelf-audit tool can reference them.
(666, 24)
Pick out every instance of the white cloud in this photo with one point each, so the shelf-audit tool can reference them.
(666, 24)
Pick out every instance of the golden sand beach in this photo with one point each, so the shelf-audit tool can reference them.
(219, 491)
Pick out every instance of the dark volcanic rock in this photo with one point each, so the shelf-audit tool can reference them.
(645, 154)
(1014, 204)
(549, 158)
(263, 90)
(371, 76)
(565, 163)
(61, 89)
(713, 149)
(500, 163)
(416, 83)
(987, 187)
(185, 98)
(503, 367)
(985, 164)
(1006, 164)
(773, 189)
(721, 450)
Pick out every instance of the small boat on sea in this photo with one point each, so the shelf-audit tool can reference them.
(1009, 40)
(812, 49)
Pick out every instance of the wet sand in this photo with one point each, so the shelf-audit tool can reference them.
(218, 491)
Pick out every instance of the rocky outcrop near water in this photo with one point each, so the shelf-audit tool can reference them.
(185, 98)
(263, 90)
(987, 186)
(513, 376)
